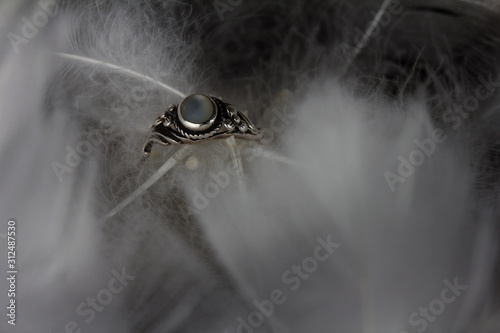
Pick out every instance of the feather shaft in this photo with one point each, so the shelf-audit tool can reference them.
(167, 166)
(124, 70)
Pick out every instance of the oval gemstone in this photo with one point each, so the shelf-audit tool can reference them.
(197, 109)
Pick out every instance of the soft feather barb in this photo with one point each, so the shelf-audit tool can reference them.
(370, 204)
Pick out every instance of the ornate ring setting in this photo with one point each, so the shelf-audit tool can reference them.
(198, 118)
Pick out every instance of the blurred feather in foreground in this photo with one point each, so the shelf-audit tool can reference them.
(371, 205)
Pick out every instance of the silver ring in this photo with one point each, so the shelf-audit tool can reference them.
(198, 118)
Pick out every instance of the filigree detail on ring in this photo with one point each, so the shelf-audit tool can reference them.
(198, 118)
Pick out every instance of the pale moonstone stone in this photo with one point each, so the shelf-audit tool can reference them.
(197, 109)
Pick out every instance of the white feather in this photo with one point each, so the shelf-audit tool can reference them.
(207, 231)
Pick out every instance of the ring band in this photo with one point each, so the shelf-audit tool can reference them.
(198, 118)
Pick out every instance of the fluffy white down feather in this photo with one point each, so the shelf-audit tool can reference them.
(203, 245)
